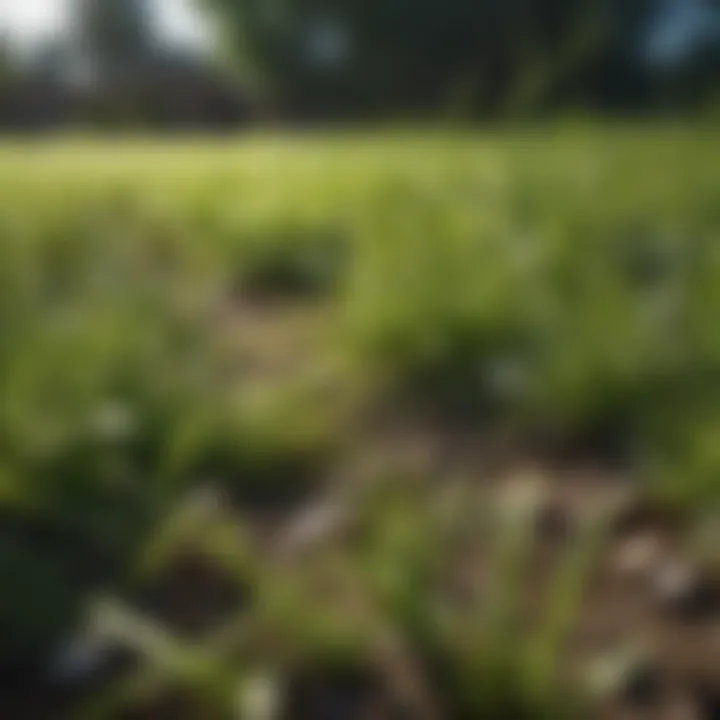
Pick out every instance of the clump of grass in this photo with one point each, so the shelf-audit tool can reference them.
(368, 621)
(267, 447)
(99, 359)
(291, 265)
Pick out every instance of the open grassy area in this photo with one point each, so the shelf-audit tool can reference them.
(417, 425)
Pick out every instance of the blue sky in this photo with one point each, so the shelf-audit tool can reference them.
(679, 27)
(28, 21)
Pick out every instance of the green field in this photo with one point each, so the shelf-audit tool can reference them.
(348, 425)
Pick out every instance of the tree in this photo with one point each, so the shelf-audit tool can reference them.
(387, 55)
(116, 35)
(8, 67)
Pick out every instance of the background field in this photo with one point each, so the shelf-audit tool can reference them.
(405, 425)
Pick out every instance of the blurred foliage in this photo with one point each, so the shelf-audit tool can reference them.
(360, 58)
(365, 57)
(117, 35)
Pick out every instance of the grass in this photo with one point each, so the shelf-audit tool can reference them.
(230, 314)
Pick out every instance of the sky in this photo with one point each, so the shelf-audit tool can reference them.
(28, 21)
(679, 27)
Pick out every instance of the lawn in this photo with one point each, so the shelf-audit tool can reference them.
(409, 425)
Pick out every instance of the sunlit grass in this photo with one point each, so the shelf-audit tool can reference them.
(565, 285)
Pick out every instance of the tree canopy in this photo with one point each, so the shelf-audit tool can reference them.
(117, 35)
(485, 56)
